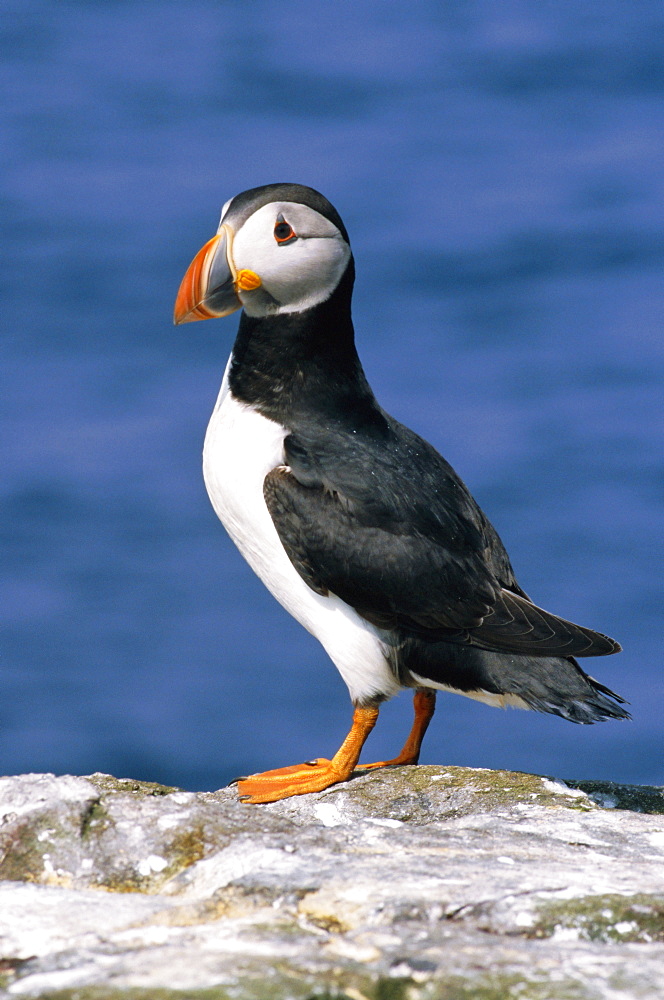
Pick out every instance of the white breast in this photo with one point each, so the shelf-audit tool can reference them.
(241, 447)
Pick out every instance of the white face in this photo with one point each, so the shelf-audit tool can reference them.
(298, 254)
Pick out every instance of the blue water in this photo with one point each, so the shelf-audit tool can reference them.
(500, 168)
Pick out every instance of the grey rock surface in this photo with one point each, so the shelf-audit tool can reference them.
(411, 883)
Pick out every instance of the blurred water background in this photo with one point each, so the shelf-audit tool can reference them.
(500, 169)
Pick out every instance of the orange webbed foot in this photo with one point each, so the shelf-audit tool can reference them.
(298, 779)
(396, 761)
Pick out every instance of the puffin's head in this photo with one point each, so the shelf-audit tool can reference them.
(281, 248)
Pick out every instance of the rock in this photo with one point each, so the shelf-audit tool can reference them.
(411, 883)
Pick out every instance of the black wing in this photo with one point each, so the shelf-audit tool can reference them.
(394, 532)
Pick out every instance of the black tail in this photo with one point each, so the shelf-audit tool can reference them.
(552, 684)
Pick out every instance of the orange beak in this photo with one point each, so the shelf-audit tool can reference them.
(208, 287)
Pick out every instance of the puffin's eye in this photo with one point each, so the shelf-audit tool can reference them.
(283, 231)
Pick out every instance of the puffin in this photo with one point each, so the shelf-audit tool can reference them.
(358, 526)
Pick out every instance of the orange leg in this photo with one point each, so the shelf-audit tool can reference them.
(424, 704)
(317, 775)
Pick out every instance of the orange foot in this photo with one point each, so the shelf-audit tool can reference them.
(298, 779)
(270, 786)
(401, 759)
(317, 775)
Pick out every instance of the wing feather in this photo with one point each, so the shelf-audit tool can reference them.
(397, 577)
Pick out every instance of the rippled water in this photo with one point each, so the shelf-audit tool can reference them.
(500, 170)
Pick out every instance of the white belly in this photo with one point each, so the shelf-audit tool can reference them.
(241, 447)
